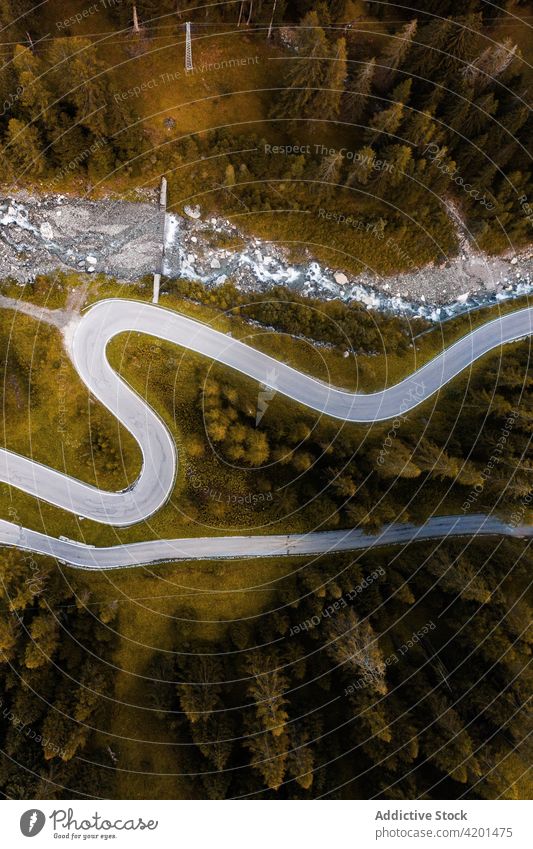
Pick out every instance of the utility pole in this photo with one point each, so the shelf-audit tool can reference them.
(188, 47)
(272, 19)
(163, 214)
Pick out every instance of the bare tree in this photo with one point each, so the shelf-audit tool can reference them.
(353, 644)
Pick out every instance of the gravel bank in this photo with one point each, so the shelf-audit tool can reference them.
(39, 235)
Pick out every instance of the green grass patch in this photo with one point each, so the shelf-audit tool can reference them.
(46, 290)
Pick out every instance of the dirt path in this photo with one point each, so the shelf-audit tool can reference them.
(76, 299)
(58, 318)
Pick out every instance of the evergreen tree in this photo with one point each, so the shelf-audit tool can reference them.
(23, 149)
(395, 53)
(387, 121)
(78, 76)
(490, 64)
(329, 171)
(356, 97)
(327, 102)
(362, 168)
(305, 74)
(199, 694)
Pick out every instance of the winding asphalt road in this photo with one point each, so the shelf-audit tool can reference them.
(275, 545)
(87, 341)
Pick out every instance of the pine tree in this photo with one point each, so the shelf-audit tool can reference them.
(389, 119)
(395, 53)
(329, 172)
(444, 46)
(269, 756)
(447, 744)
(455, 113)
(362, 167)
(459, 576)
(35, 99)
(218, 730)
(305, 74)
(79, 77)
(44, 634)
(256, 448)
(23, 149)
(356, 97)
(478, 117)
(396, 461)
(490, 64)
(399, 158)
(433, 38)
(301, 758)
(461, 45)
(433, 459)
(267, 688)
(420, 128)
(199, 694)
(327, 102)
(268, 741)
(8, 85)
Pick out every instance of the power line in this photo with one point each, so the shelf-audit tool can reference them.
(251, 28)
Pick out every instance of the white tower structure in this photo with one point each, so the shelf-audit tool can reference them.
(188, 47)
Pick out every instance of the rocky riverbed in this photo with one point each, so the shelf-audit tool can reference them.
(39, 235)
(125, 240)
